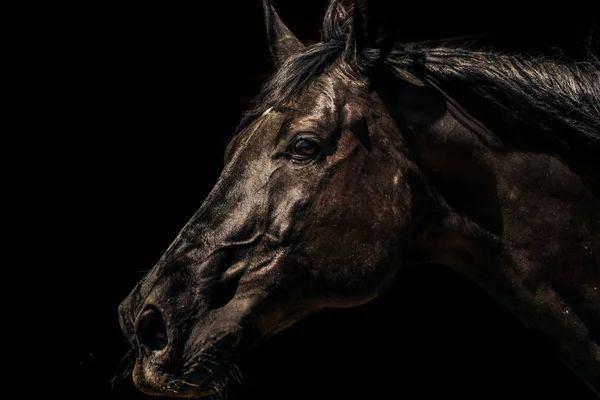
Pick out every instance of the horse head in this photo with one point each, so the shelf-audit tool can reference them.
(312, 210)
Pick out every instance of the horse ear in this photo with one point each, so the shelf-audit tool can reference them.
(373, 35)
(282, 41)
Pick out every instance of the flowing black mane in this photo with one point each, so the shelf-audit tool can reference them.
(553, 104)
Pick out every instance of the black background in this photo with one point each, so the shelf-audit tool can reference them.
(148, 93)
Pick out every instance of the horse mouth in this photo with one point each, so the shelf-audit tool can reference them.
(207, 375)
(213, 380)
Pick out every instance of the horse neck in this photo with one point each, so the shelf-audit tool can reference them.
(521, 225)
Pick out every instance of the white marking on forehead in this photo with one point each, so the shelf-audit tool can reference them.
(256, 127)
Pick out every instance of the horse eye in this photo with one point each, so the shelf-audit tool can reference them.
(304, 148)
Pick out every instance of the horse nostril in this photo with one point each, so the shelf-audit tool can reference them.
(151, 330)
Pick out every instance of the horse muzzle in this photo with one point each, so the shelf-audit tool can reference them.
(182, 363)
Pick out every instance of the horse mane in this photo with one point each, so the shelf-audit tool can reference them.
(535, 102)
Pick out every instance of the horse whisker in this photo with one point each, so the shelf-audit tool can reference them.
(185, 382)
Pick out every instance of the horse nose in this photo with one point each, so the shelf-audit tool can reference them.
(151, 330)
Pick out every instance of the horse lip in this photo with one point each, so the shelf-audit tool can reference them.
(203, 378)
(211, 367)
(156, 383)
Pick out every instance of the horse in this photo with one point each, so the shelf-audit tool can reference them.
(361, 157)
